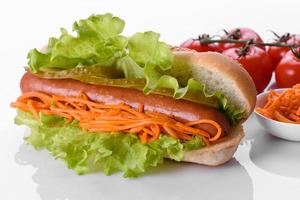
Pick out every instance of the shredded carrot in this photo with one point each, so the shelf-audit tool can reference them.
(32, 109)
(283, 107)
(96, 117)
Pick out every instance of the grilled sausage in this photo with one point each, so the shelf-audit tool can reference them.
(180, 110)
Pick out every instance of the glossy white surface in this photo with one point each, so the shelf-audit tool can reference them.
(264, 167)
(281, 130)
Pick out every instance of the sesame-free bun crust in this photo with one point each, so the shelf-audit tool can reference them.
(218, 153)
(224, 75)
(219, 73)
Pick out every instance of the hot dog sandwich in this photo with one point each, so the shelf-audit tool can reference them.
(100, 100)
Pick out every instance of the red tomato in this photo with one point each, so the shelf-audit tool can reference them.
(277, 53)
(240, 34)
(196, 45)
(257, 63)
(287, 72)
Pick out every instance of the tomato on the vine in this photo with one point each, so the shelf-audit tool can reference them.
(257, 63)
(198, 46)
(240, 34)
(277, 53)
(287, 72)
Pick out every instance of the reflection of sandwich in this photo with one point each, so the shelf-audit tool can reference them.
(102, 100)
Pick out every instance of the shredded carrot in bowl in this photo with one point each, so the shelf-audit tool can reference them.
(283, 107)
(98, 117)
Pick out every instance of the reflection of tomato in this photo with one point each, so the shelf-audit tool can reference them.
(277, 53)
(287, 72)
(196, 45)
(240, 34)
(257, 63)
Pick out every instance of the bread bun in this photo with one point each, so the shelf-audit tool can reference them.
(218, 153)
(219, 73)
(226, 76)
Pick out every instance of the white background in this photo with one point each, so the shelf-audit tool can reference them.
(263, 168)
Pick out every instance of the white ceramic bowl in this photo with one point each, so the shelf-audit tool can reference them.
(282, 130)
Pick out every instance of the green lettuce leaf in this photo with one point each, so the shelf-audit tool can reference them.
(98, 41)
(149, 52)
(87, 152)
(130, 68)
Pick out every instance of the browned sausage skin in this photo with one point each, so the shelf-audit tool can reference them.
(181, 110)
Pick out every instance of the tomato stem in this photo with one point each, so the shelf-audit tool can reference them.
(281, 38)
(296, 52)
(275, 44)
(243, 51)
(235, 34)
(281, 42)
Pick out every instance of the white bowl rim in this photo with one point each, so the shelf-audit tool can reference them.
(274, 121)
